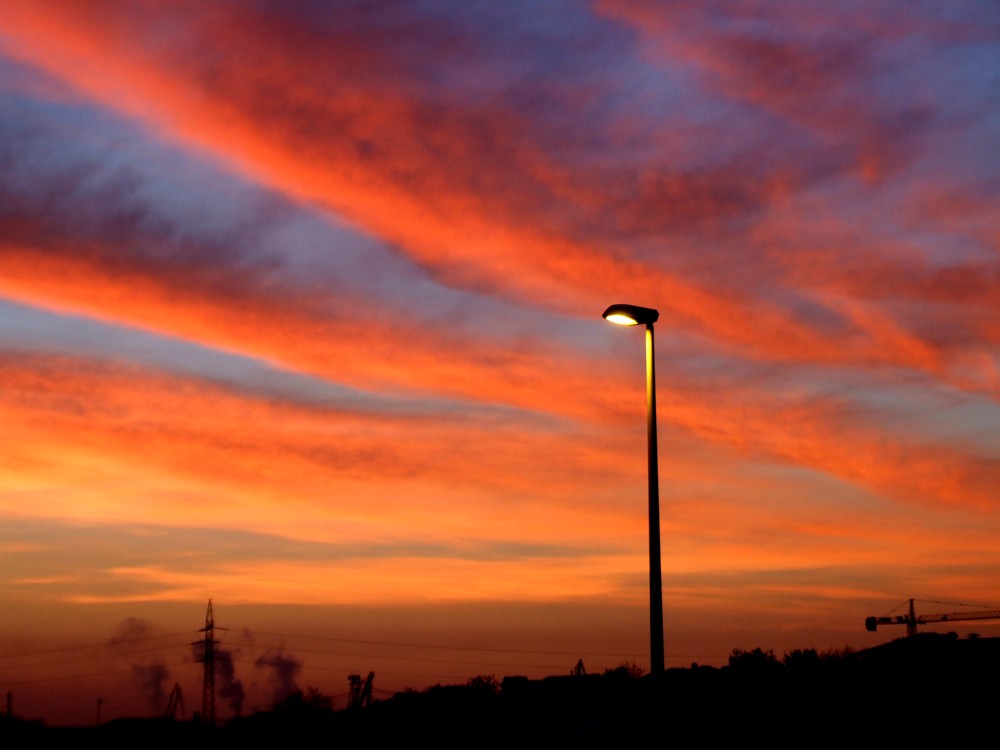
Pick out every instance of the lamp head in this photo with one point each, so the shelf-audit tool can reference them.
(631, 315)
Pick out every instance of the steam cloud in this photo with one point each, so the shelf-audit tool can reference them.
(230, 689)
(149, 678)
(129, 629)
(286, 668)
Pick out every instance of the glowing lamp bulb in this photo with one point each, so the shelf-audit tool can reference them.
(621, 320)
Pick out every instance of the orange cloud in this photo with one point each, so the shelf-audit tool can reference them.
(421, 188)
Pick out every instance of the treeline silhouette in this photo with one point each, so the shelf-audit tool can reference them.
(912, 689)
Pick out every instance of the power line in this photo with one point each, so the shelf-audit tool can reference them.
(451, 648)
(103, 644)
(107, 673)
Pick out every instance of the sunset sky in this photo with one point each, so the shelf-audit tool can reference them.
(300, 310)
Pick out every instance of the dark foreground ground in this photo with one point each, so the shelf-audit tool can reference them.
(917, 692)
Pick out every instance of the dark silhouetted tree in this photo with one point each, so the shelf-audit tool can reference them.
(484, 683)
(310, 703)
(627, 670)
(801, 661)
(756, 660)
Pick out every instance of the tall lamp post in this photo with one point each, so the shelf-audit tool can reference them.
(633, 315)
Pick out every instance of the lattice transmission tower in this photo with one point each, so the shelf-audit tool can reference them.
(208, 661)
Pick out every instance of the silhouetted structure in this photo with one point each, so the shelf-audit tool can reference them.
(208, 659)
(632, 315)
(360, 693)
(911, 619)
(175, 703)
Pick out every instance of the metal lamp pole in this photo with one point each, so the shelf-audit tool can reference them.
(631, 315)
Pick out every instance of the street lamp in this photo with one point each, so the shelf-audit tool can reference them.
(633, 315)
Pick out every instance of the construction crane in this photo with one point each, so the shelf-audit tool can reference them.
(175, 703)
(360, 694)
(911, 619)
